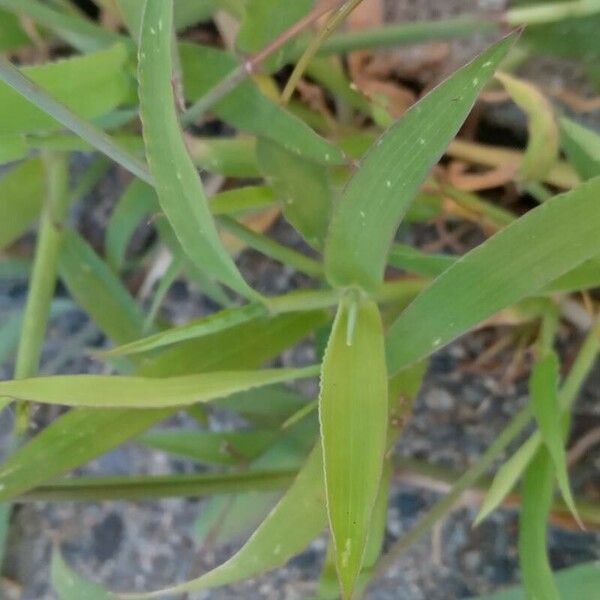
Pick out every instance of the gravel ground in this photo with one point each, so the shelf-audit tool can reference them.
(150, 544)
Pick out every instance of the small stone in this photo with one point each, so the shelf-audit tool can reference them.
(439, 399)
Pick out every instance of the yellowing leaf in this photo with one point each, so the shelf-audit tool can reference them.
(543, 144)
(353, 409)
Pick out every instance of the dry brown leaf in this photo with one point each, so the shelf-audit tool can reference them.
(259, 222)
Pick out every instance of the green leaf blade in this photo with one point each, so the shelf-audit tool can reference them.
(353, 410)
(178, 184)
(388, 178)
(543, 387)
(100, 391)
(516, 262)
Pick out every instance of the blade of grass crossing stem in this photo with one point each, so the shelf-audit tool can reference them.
(516, 262)
(389, 176)
(100, 391)
(83, 434)
(297, 518)
(582, 147)
(69, 585)
(89, 132)
(537, 493)
(76, 82)
(543, 388)
(43, 276)
(543, 144)
(177, 182)
(353, 410)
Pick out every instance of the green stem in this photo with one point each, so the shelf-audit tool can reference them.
(332, 23)
(465, 482)
(43, 278)
(406, 34)
(270, 248)
(550, 12)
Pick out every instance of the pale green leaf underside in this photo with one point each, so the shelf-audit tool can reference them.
(100, 391)
(353, 410)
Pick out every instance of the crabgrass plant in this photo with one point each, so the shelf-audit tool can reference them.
(384, 308)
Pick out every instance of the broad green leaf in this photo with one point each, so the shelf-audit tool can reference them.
(69, 585)
(132, 488)
(211, 447)
(537, 494)
(584, 277)
(543, 389)
(83, 434)
(582, 146)
(102, 391)
(353, 409)
(220, 321)
(21, 198)
(12, 35)
(264, 21)
(543, 145)
(98, 291)
(298, 517)
(12, 148)
(178, 184)
(138, 200)
(246, 109)
(576, 583)
(89, 85)
(302, 187)
(389, 176)
(516, 262)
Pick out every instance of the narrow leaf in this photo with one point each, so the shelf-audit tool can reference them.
(297, 519)
(220, 321)
(211, 447)
(518, 261)
(178, 184)
(353, 410)
(543, 388)
(100, 391)
(537, 494)
(69, 585)
(389, 176)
